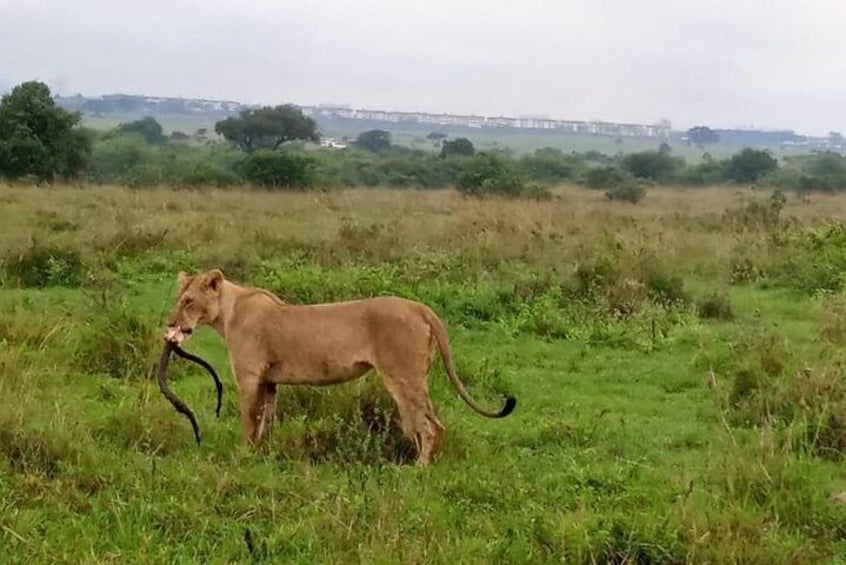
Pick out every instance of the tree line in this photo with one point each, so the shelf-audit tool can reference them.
(274, 147)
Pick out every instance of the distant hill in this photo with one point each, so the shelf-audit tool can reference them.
(134, 107)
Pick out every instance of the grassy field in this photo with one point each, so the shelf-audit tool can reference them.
(678, 367)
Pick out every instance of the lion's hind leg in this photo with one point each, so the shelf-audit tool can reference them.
(417, 415)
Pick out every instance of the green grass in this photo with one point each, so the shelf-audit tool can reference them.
(620, 449)
(598, 460)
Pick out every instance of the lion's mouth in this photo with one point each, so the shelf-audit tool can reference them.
(177, 335)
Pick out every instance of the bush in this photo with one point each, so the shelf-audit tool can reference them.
(604, 177)
(817, 260)
(825, 171)
(460, 146)
(715, 306)
(709, 171)
(667, 290)
(489, 173)
(750, 165)
(757, 214)
(551, 165)
(122, 159)
(148, 128)
(631, 191)
(278, 169)
(658, 166)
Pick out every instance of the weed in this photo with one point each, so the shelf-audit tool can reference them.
(41, 266)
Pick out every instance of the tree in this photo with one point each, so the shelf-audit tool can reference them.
(700, 135)
(39, 138)
(267, 127)
(436, 136)
(460, 146)
(148, 128)
(749, 165)
(374, 140)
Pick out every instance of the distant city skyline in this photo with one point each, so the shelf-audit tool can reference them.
(338, 109)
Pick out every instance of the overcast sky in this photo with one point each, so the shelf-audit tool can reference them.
(724, 63)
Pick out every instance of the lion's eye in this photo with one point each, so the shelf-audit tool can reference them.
(187, 302)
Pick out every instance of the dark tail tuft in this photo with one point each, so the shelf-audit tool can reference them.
(510, 404)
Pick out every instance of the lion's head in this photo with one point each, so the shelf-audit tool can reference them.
(197, 304)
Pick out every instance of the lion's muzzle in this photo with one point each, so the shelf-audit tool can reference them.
(176, 335)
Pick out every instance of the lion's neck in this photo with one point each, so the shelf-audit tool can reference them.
(229, 295)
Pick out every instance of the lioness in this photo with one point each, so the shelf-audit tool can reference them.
(272, 343)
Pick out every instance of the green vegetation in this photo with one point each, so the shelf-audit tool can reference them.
(682, 394)
(267, 128)
(148, 128)
(139, 154)
(39, 139)
(374, 140)
(460, 146)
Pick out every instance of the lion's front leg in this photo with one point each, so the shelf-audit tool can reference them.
(258, 408)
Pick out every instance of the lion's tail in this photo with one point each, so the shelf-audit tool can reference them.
(446, 355)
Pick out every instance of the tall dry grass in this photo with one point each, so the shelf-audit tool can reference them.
(685, 225)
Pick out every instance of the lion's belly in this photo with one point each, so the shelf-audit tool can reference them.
(319, 373)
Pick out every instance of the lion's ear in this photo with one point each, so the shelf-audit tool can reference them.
(215, 280)
(183, 279)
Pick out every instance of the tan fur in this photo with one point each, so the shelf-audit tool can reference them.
(272, 343)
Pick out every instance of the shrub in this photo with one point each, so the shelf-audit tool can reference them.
(757, 214)
(551, 165)
(658, 166)
(604, 177)
(148, 128)
(715, 306)
(824, 171)
(709, 171)
(489, 173)
(632, 192)
(750, 165)
(667, 290)
(596, 275)
(122, 159)
(817, 260)
(277, 169)
(460, 146)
